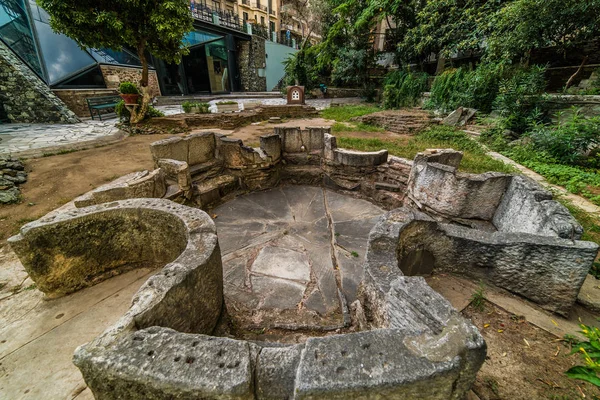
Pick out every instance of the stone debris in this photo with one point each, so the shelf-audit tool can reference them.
(12, 174)
(459, 117)
(398, 121)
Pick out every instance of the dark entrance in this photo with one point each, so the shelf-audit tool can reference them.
(196, 71)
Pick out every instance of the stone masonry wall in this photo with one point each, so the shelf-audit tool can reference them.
(75, 98)
(114, 75)
(251, 57)
(25, 97)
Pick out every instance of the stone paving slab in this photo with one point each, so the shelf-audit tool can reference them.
(282, 252)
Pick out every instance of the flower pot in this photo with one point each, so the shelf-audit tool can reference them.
(227, 108)
(195, 110)
(130, 99)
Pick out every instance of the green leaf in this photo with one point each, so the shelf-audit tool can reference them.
(584, 374)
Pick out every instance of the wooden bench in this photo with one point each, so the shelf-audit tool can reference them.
(98, 104)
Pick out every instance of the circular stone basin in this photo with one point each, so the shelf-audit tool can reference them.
(292, 260)
(404, 340)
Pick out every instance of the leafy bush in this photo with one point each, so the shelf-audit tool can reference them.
(463, 88)
(302, 67)
(128, 88)
(403, 89)
(568, 142)
(520, 102)
(189, 105)
(590, 354)
(224, 103)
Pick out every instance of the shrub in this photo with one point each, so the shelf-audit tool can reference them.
(464, 88)
(520, 102)
(187, 106)
(403, 89)
(128, 88)
(568, 142)
(589, 351)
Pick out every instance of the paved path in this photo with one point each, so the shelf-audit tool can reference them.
(37, 139)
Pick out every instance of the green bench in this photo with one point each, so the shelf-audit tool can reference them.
(105, 103)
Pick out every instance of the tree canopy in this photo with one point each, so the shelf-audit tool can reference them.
(157, 26)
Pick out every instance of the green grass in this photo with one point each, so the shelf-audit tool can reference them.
(341, 127)
(345, 113)
(591, 228)
(439, 137)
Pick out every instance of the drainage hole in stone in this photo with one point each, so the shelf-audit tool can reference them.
(232, 365)
(195, 344)
(221, 365)
(176, 359)
(316, 355)
(190, 360)
(220, 353)
(381, 354)
(59, 316)
(344, 353)
(151, 353)
(366, 346)
(340, 370)
(138, 338)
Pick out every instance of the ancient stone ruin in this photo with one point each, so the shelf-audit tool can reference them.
(306, 250)
(12, 174)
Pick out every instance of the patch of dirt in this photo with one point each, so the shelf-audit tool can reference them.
(56, 180)
(523, 361)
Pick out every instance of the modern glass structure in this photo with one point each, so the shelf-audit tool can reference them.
(55, 58)
(210, 67)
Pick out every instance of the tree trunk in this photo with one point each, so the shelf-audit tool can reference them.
(142, 56)
(577, 73)
(138, 113)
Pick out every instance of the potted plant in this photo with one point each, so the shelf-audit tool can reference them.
(129, 93)
(187, 106)
(203, 108)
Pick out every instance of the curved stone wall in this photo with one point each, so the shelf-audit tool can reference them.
(414, 345)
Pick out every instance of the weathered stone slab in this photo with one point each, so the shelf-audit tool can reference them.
(282, 263)
(157, 362)
(277, 293)
(276, 372)
(201, 147)
(527, 207)
(360, 365)
(437, 187)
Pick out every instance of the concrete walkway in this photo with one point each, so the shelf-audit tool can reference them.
(33, 140)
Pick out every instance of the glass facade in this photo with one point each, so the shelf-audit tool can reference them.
(57, 59)
(61, 63)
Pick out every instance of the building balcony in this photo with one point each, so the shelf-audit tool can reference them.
(273, 13)
(201, 12)
(246, 3)
(259, 6)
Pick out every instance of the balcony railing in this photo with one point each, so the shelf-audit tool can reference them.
(246, 3)
(204, 13)
(272, 12)
(260, 7)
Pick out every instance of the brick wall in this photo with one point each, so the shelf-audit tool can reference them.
(25, 97)
(252, 57)
(75, 98)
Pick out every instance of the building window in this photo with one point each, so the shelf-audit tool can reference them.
(246, 16)
(272, 26)
(216, 5)
(262, 20)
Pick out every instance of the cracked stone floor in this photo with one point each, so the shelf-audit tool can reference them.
(292, 256)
